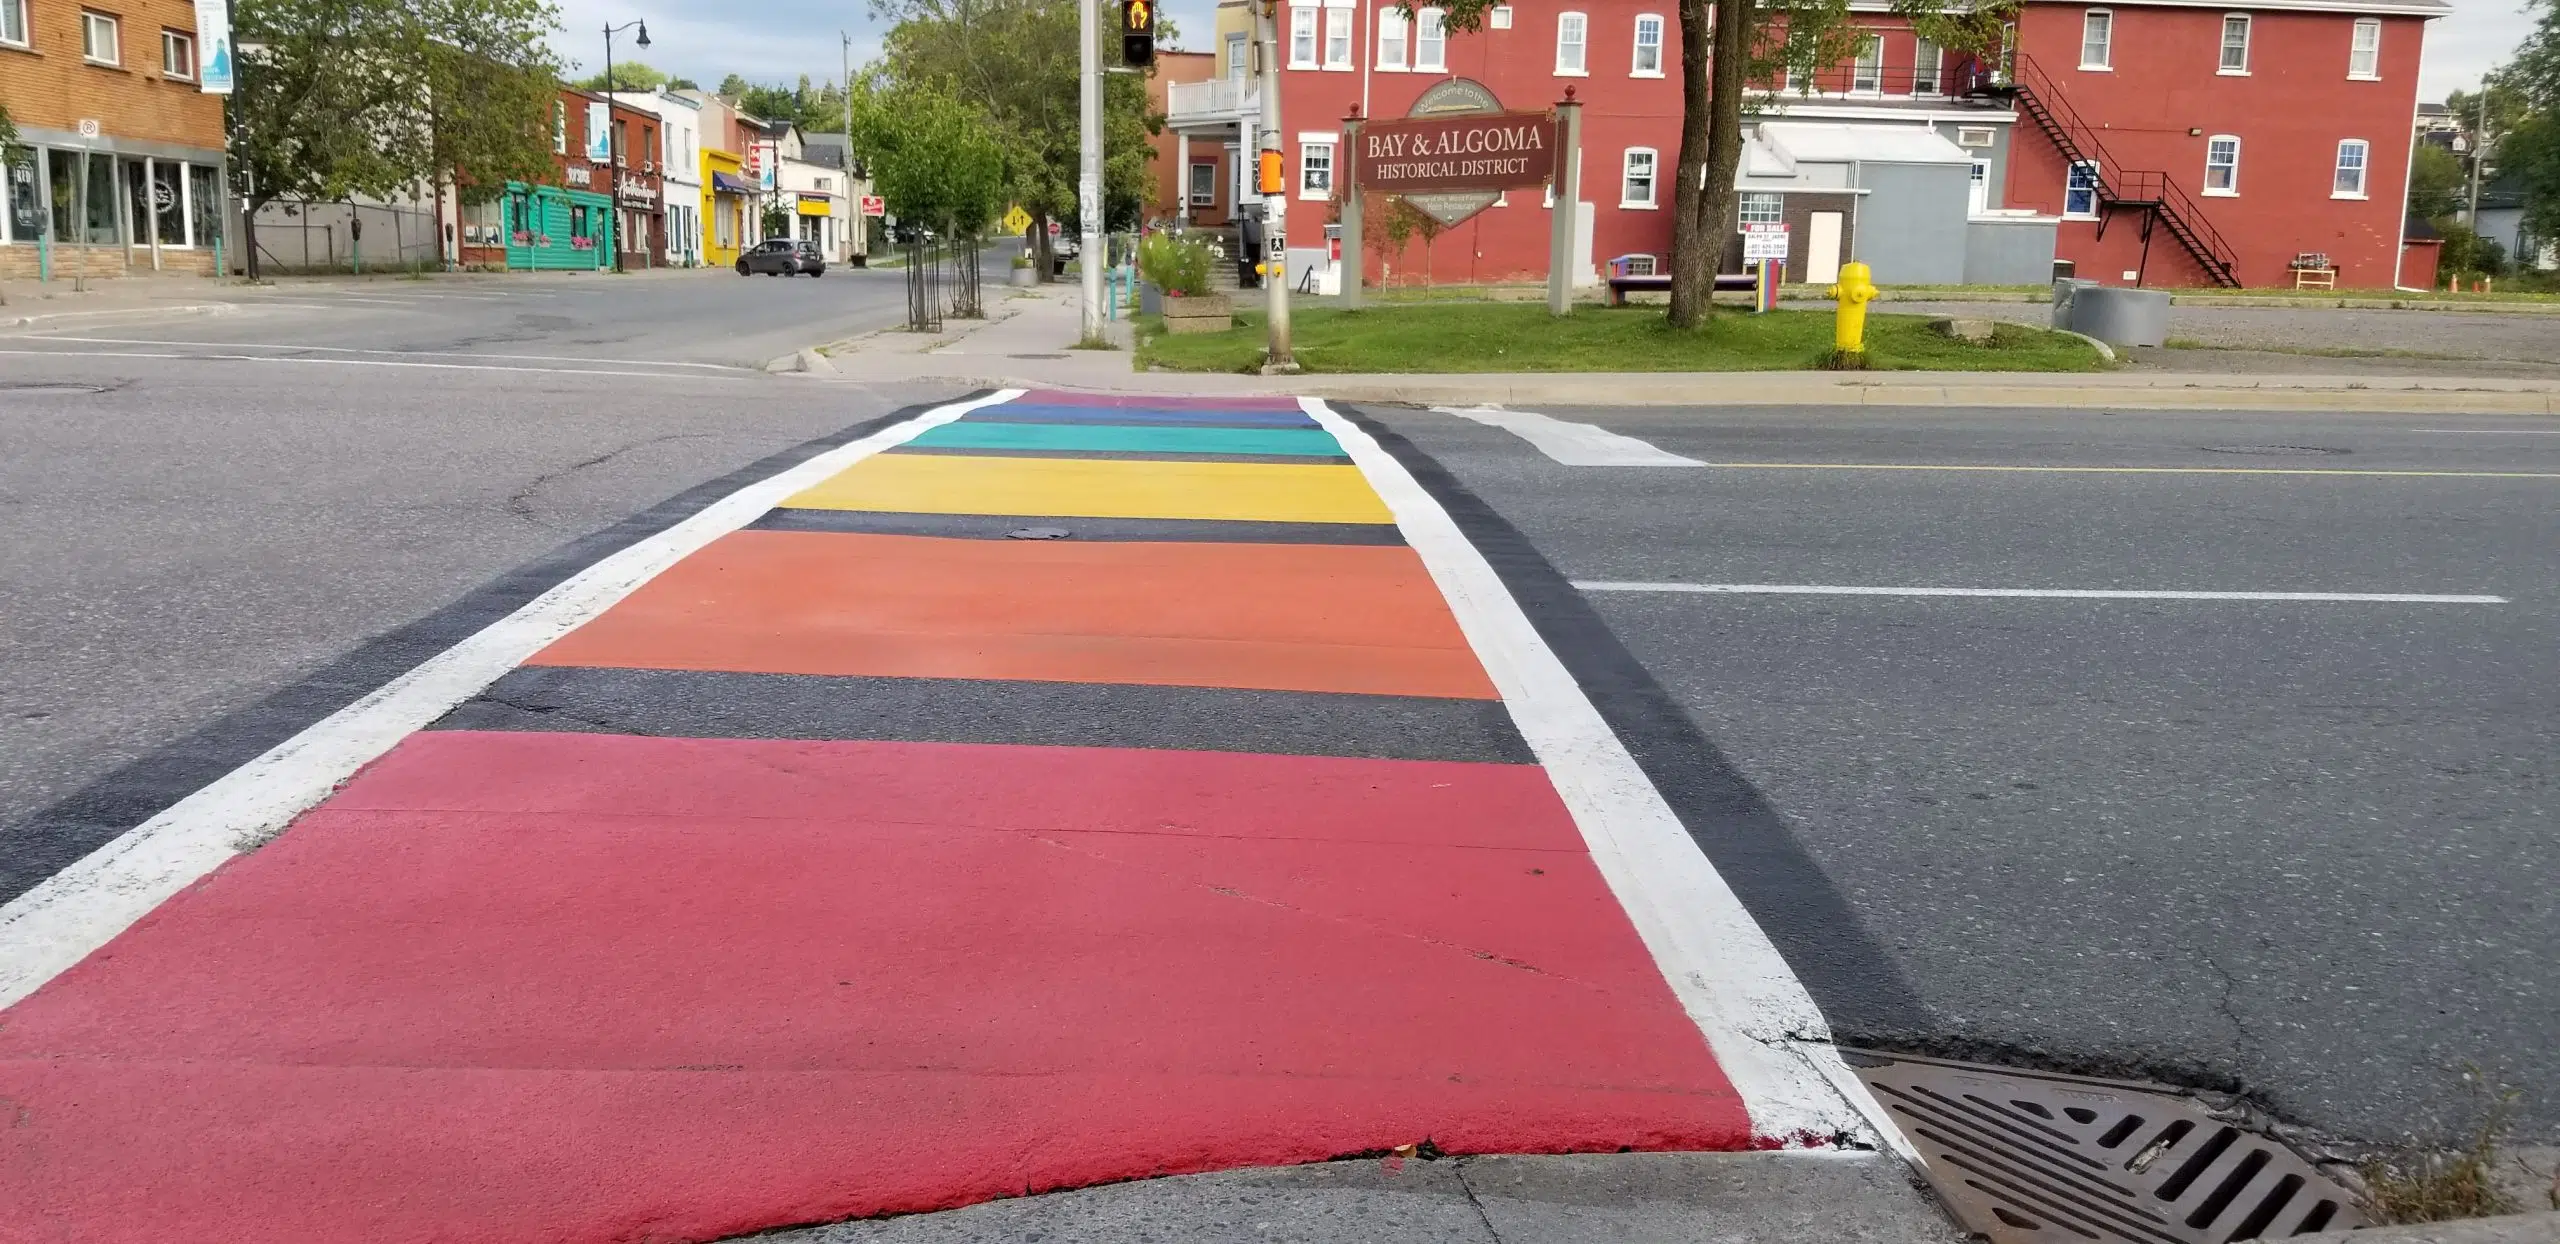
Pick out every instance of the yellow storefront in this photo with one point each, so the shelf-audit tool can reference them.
(725, 195)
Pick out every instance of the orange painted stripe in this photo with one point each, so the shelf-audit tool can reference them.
(1285, 617)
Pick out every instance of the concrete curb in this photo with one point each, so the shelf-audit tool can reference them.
(111, 315)
(2512, 1229)
(2415, 394)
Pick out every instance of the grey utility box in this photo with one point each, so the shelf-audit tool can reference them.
(2065, 290)
(2121, 317)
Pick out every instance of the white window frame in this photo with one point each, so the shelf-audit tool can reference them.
(1745, 203)
(1499, 18)
(186, 70)
(16, 9)
(1239, 61)
(559, 127)
(1636, 67)
(93, 21)
(1430, 41)
(1395, 41)
(1308, 147)
(1977, 187)
(2101, 22)
(1866, 69)
(2363, 167)
(1928, 68)
(1579, 24)
(1305, 41)
(2096, 177)
(2223, 66)
(2371, 54)
(1977, 136)
(1652, 161)
(1193, 189)
(2230, 189)
(1338, 38)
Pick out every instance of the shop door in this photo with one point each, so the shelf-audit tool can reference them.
(1822, 249)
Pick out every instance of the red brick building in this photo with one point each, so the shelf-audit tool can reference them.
(572, 221)
(2151, 142)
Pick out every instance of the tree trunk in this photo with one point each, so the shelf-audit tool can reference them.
(1712, 66)
(1042, 257)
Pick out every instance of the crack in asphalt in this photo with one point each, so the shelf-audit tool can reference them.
(520, 503)
(1481, 1214)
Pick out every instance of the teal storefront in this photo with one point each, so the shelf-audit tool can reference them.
(553, 229)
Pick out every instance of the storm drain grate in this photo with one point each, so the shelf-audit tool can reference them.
(2028, 1158)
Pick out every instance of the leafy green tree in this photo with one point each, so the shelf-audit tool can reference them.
(683, 84)
(1015, 63)
(733, 87)
(2531, 147)
(628, 75)
(492, 82)
(933, 159)
(2437, 179)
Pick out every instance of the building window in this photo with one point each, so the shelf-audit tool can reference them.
(13, 22)
(1315, 170)
(2098, 39)
(1302, 37)
(2080, 191)
(1391, 40)
(99, 39)
(1204, 184)
(2364, 55)
(1500, 18)
(2222, 164)
(559, 127)
(2353, 153)
(1637, 190)
(1977, 188)
(1796, 83)
(1337, 38)
(1237, 64)
(1431, 41)
(1866, 73)
(1648, 62)
(2235, 43)
(1975, 136)
(178, 55)
(1573, 32)
(1760, 207)
(1927, 65)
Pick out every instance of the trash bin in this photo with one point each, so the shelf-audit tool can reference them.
(2065, 291)
(2122, 317)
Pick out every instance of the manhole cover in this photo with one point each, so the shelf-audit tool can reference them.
(2276, 451)
(1039, 533)
(2028, 1158)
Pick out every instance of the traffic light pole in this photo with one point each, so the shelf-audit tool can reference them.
(1089, 174)
(1273, 184)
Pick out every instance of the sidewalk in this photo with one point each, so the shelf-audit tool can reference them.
(1027, 344)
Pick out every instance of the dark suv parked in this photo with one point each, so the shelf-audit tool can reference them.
(783, 257)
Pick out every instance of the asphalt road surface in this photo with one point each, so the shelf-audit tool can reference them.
(2301, 847)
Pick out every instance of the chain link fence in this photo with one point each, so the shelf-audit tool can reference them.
(299, 237)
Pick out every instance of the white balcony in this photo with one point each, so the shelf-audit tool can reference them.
(1218, 101)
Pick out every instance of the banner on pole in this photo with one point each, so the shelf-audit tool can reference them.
(213, 46)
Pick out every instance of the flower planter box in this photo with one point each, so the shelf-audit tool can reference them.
(1200, 313)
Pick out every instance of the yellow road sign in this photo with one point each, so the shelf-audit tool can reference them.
(1016, 220)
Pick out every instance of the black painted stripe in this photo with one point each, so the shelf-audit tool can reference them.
(701, 704)
(1860, 989)
(999, 527)
(1128, 455)
(52, 839)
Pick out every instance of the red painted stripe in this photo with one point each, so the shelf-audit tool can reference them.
(541, 986)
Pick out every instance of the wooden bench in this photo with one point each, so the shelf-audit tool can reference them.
(1621, 285)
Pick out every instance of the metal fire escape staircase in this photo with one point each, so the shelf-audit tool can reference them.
(2162, 202)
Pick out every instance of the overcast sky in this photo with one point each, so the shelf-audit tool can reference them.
(709, 39)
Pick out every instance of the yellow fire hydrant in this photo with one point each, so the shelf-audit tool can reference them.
(1855, 290)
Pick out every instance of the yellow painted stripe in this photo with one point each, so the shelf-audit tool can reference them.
(1099, 488)
(2124, 470)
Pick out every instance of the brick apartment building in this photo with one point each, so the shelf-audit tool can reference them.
(573, 222)
(123, 170)
(2159, 142)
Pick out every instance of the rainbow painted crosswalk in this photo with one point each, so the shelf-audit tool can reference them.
(1080, 789)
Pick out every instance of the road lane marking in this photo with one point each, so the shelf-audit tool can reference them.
(456, 354)
(2049, 593)
(2123, 470)
(270, 358)
(1572, 444)
(2492, 431)
(63, 918)
(1764, 1028)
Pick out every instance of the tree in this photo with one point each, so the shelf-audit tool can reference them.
(1015, 63)
(2437, 180)
(1726, 47)
(2531, 148)
(341, 98)
(732, 87)
(628, 75)
(932, 157)
(683, 84)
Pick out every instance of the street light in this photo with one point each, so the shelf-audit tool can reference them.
(613, 147)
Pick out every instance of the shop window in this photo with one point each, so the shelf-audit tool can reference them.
(204, 202)
(100, 226)
(22, 215)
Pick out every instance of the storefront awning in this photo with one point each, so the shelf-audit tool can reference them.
(730, 183)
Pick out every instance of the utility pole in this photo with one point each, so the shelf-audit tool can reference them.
(1089, 175)
(612, 139)
(1272, 179)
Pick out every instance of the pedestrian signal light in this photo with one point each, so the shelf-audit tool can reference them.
(1138, 32)
(1270, 182)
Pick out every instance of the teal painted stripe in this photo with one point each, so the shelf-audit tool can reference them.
(1112, 438)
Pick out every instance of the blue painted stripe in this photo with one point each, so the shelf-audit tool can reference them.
(1110, 438)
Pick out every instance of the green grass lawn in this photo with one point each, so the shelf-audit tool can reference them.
(1490, 337)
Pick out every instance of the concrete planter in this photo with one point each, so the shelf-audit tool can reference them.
(1206, 313)
(1026, 276)
(1150, 299)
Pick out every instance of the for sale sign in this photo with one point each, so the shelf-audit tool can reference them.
(1764, 241)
